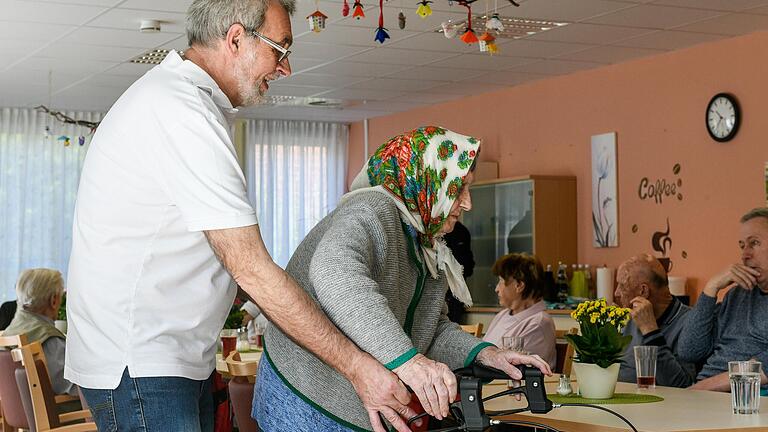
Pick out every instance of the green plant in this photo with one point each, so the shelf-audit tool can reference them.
(601, 341)
(235, 317)
(62, 314)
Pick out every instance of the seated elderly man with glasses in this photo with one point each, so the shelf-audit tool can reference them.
(39, 292)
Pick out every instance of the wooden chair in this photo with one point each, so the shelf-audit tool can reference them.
(47, 418)
(564, 351)
(12, 407)
(473, 329)
(241, 390)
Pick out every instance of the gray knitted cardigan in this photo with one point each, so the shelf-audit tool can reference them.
(360, 264)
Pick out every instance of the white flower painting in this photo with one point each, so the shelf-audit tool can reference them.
(604, 197)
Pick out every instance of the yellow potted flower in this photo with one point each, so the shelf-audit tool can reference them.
(599, 347)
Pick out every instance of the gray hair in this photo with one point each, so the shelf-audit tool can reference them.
(36, 287)
(759, 212)
(209, 20)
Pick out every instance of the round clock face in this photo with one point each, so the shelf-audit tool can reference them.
(723, 117)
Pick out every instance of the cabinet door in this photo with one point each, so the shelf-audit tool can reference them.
(501, 221)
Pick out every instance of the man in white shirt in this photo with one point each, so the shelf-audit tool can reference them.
(162, 225)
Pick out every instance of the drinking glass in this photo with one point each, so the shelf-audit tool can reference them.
(514, 343)
(745, 386)
(228, 341)
(645, 366)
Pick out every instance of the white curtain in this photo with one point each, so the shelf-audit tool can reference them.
(295, 172)
(38, 185)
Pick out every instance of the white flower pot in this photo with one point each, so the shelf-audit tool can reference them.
(596, 382)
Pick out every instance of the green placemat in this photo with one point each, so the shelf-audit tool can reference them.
(618, 398)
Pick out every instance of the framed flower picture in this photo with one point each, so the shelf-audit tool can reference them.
(604, 191)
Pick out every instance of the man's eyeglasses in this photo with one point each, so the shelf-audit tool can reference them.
(284, 52)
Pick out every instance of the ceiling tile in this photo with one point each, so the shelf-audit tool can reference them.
(70, 51)
(54, 13)
(11, 31)
(130, 69)
(118, 37)
(130, 19)
(508, 78)
(430, 97)
(345, 68)
(468, 88)
(588, 34)
(654, 17)
(610, 54)
(399, 56)
(668, 40)
(164, 5)
(387, 105)
(348, 93)
(762, 10)
(109, 80)
(556, 67)
(436, 73)
(563, 10)
(103, 3)
(321, 80)
(323, 51)
(718, 5)
(297, 91)
(396, 84)
(433, 42)
(482, 62)
(59, 65)
(731, 25)
(537, 49)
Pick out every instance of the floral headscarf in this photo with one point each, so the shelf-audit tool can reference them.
(423, 172)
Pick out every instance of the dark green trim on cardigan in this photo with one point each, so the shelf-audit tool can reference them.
(401, 359)
(475, 351)
(408, 325)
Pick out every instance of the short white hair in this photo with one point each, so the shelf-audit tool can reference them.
(209, 20)
(36, 287)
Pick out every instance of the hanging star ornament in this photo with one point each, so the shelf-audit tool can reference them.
(357, 10)
(424, 10)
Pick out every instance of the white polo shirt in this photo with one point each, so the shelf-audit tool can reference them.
(144, 288)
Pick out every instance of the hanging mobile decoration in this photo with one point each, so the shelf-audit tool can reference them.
(65, 140)
(494, 22)
(81, 140)
(357, 10)
(381, 32)
(345, 9)
(424, 10)
(401, 17)
(449, 30)
(316, 19)
(488, 43)
(469, 36)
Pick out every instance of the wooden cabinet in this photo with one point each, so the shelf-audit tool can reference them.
(533, 214)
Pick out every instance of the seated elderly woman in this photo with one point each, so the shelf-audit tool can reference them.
(521, 291)
(38, 294)
(378, 266)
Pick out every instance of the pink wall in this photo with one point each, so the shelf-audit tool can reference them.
(656, 106)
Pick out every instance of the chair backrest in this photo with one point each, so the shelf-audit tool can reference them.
(473, 329)
(241, 390)
(32, 359)
(564, 351)
(12, 405)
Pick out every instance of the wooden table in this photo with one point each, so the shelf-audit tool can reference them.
(681, 411)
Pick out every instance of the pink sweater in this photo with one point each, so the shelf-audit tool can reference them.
(533, 324)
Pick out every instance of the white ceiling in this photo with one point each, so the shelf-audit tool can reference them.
(84, 45)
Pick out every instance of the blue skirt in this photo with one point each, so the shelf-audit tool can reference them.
(278, 409)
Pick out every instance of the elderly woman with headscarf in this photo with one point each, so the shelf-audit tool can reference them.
(379, 268)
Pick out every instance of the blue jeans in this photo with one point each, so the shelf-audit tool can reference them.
(154, 404)
(278, 409)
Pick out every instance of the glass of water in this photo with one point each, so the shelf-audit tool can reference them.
(745, 386)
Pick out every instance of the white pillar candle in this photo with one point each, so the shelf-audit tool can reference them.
(605, 284)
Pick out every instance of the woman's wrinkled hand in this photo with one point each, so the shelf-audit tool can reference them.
(432, 382)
